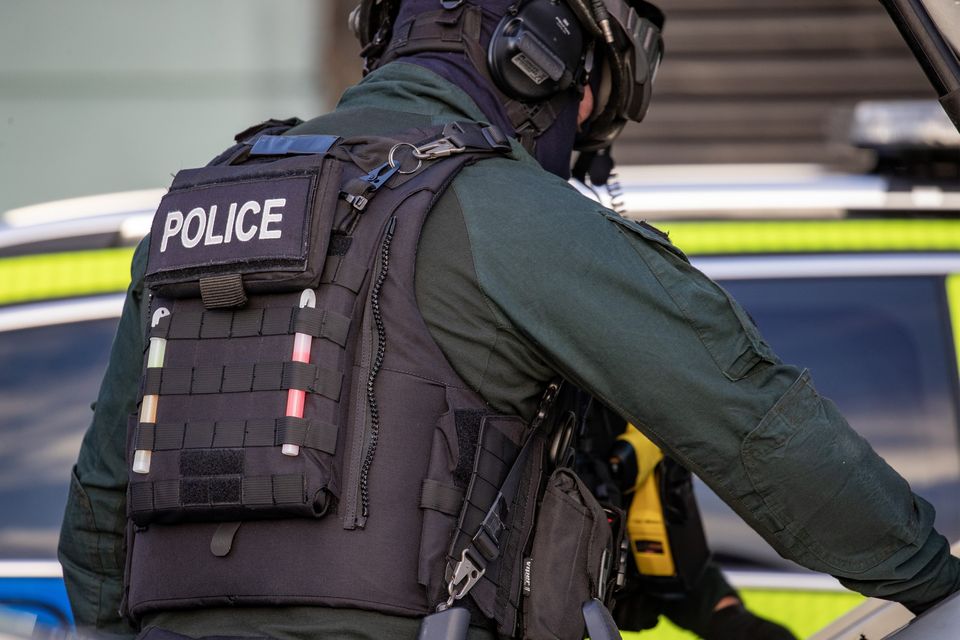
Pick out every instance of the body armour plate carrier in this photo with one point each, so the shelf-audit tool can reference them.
(301, 439)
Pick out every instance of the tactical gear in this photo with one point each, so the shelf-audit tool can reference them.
(358, 471)
(621, 41)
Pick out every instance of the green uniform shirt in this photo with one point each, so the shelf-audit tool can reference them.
(520, 278)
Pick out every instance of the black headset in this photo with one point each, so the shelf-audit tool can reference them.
(537, 51)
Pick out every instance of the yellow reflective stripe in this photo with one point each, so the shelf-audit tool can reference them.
(953, 301)
(61, 275)
(810, 236)
(803, 612)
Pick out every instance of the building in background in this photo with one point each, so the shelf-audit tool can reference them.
(748, 81)
(109, 95)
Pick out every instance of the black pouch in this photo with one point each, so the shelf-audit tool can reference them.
(571, 562)
(251, 226)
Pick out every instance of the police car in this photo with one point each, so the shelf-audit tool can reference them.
(855, 276)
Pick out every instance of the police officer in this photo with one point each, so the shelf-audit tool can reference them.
(518, 279)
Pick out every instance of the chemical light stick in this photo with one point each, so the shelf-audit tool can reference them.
(148, 407)
(301, 353)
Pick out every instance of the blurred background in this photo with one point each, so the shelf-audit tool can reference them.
(108, 95)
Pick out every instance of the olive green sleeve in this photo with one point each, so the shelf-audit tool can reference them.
(91, 548)
(620, 311)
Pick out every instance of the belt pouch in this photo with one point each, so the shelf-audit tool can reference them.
(565, 567)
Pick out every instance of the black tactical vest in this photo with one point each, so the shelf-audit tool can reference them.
(359, 476)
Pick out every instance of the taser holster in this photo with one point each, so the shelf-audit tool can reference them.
(300, 438)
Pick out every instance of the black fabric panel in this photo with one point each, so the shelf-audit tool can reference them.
(168, 436)
(321, 436)
(229, 434)
(141, 496)
(216, 324)
(482, 494)
(207, 380)
(336, 327)
(219, 462)
(166, 494)
(289, 489)
(492, 469)
(237, 378)
(174, 380)
(184, 326)
(260, 433)
(246, 323)
(257, 491)
(499, 445)
(198, 435)
(277, 321)
(268, 376)
(344, 273)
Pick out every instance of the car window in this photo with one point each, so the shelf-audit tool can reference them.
(882, 349)
(48, 378)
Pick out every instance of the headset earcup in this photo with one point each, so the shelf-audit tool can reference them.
(537, 51)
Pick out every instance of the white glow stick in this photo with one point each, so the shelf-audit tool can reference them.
(148, 407)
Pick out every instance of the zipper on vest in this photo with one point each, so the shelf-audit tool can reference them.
(371, 434)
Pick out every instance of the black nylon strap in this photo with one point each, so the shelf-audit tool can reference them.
(193, 325)
(320, 323)
(219, 292)
(236, 378)
(287, 489)
(229, 434)
(440, 497)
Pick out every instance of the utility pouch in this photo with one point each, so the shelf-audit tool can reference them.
(572, 561)
(224, 231)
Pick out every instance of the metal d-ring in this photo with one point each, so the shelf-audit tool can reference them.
(393, 164)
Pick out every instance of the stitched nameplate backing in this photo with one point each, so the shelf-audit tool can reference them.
(250, 223)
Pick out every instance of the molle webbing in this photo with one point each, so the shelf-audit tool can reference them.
(193, 325)
(224, 390)
(171, 436)
(214, 491)
(243, 378)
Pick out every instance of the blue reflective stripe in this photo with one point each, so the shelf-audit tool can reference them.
(285, 145)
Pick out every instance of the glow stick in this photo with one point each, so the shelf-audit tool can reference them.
(148, 407)
(301, 353)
